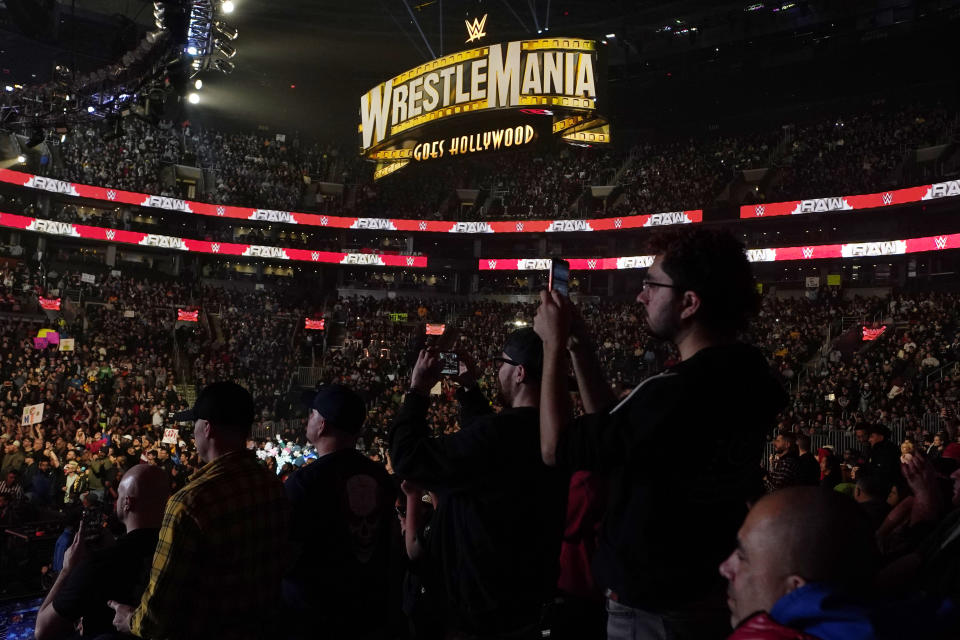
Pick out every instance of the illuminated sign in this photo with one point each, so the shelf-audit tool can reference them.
(435, 329)
(560, 76)
(872, 334)
(475, 29)
(187, 316)
(50, 304)
(314, 325)
(492, 140)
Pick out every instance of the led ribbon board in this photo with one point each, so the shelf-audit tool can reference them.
(405, 119)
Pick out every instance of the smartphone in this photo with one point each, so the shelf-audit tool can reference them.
(559, 276)
(449, 363)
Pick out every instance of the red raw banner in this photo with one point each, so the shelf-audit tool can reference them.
(50, 304)
(873, 334)
(314, 325)
(435, 329)
(118, 196)
(187, 316)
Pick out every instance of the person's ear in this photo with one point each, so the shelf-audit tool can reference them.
(689, 304)
(793, 582)
(521, 374)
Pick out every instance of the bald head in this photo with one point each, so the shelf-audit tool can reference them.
(795, 536)
(142, 497)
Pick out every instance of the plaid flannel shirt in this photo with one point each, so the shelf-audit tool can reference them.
(220, 558)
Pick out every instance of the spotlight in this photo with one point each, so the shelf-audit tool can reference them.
(8, 88)
(227, 30)
(90, 109)
(63, 138)
(225, 48)
(193, 98)
(198, 84)
(21, 158)
(191, 50)
(227, 7)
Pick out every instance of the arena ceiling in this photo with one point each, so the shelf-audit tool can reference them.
(303, 64)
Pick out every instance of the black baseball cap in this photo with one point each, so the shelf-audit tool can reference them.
(526, 347)
(341, 406)
(222, 403)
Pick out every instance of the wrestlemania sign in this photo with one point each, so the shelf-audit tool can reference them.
(485, 99)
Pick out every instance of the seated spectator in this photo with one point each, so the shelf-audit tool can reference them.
(802, 556)
(91, 577)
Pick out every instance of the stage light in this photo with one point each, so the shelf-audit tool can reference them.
(193, 98)
(227, 7)
(225, 48)
(228, 30)
(611, 36)
(224, 66)
(90, 109)
(191, 50)
(21, 158)
(63, 138)
(8, 88)
(198, 84)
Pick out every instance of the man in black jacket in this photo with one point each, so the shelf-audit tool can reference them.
(668, 522)
(884, 455)
(495, 536)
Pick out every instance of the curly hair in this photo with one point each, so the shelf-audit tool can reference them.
(712, 263)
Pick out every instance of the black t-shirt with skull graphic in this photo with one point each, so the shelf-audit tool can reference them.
(347, 540)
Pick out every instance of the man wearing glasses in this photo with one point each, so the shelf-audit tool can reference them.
(669, 522)
(495, 538)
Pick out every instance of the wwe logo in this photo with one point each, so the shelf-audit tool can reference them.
(215, 247)
(808, 252)
(111, 234)
(492, 264)
(941, 242)
(314, 255)
(323, 221)
(111, 195)
(409, 262)
(423, 225)
(221, 211)
(759, 210)
(591, 264)
(475, 29)
(519, 226)
(887, 198)
(618, 223)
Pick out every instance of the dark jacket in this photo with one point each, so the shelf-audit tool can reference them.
(885, 459)
(496, 533)
(671, 521)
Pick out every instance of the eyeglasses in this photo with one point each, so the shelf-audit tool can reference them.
(646, 284)
(498, 361)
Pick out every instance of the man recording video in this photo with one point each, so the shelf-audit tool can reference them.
(667, 525)
(496, 534)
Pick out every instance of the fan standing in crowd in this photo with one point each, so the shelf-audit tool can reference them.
(216, 571)
(496, 533)
(119, 572)
(345, 579)
(655, 558)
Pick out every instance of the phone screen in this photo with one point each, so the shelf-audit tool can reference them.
(449, 363)
(560, 276)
